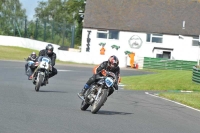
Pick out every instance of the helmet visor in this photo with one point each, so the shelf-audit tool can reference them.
(33, 56)
(49, 51)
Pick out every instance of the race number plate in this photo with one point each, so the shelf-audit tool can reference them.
(109, 82)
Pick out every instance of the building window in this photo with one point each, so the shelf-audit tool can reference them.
(155, 38)
(113, 34)
(159, 55)
(108, 34)
(102, 34)
(195, 41)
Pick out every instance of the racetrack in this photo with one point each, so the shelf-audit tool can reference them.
(56, 107)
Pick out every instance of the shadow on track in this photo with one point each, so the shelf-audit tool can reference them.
(102, 112)
(52, 91)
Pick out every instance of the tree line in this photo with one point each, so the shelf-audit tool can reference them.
(56, 21)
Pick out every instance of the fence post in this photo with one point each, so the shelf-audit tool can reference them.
(63, 34)
(14, 27)
(52, 30)
(36, 28)
(25, 28)
(44, 30)
(72, 39)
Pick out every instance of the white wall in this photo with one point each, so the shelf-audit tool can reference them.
(182, 48)
(78, 57)
(25, 43)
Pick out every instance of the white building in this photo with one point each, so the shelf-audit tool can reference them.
(159, 29)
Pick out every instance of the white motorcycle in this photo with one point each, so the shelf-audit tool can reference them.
(41, 73)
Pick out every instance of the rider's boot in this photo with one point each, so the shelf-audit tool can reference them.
(82, 93)
(31, 77)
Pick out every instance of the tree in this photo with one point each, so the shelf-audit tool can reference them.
(73, 7)
(11, 14)
(62, 13)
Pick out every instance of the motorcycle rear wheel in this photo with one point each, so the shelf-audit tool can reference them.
(84, 105)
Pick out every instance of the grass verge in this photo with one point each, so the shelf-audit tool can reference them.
(162, 80)
(169, 83)
(190, 99)
(15, 53)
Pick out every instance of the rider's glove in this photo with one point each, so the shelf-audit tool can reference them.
(36, 63)
(50, 67)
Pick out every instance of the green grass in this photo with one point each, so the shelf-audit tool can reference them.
(162, 80)
(15, 53)
(190, 99)
(19, 53)
(168, 83)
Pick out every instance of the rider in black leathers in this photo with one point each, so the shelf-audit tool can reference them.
(48, 52)
(110, 65)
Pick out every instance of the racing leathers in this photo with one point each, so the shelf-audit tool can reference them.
(53, 60)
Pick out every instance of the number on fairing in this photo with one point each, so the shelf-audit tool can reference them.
(109, 82)
(43, 64)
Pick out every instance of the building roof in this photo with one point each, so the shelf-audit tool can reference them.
(149, 16)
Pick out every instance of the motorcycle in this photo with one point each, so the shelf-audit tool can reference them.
(28, 65)
(98, 92)
(42, 71)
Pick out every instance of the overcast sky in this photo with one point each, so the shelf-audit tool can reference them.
(30, 6)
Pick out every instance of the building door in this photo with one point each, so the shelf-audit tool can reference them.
(166, 55)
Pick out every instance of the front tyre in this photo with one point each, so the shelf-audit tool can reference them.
(100, 101)
(39, 82)
(84, 105)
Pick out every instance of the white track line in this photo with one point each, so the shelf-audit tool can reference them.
(64, 70)
(121, 86)
(173, 101)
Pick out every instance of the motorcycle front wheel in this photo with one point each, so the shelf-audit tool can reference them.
(100, 101)
(39, 82)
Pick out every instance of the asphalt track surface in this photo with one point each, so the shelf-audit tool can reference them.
(56, 107)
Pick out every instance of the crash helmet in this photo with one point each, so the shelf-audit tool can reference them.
(113, 61)
(49, 49)
(33, 55)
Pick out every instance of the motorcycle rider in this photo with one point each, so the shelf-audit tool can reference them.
(48, 52)
(30, 60)
(110, 65)
(31, 57)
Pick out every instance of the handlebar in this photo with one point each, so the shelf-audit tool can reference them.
(108, 73)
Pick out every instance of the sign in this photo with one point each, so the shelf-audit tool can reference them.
(135, 42)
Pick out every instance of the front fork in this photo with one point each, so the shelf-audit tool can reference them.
(99, 91)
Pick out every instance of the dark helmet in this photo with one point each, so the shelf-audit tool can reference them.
(113, 61)
(49, 49)
(33, 55)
